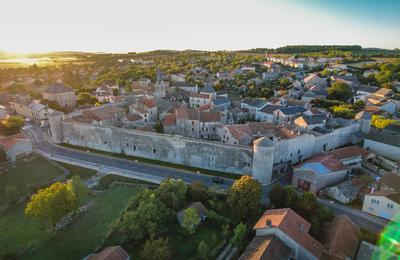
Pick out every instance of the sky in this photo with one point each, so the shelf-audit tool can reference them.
(142, 25)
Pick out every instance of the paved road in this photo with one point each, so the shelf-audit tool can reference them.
(362, 219)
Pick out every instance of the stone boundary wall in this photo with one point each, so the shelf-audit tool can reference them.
(174, 149)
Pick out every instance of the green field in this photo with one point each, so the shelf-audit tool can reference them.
(27, 176)
(83, 173)
(89, 231)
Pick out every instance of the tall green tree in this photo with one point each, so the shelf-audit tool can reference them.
(203, 250)
(191, 219)
(173, 193)
(277, 195)
(156, 249)
(244, 197)
(148, 219)
(240, 233)
(11, 125)
(340, 91)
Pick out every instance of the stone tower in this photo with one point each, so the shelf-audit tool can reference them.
(263, 160)
(55, 127)
(160, 87)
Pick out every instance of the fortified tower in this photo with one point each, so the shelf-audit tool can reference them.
(55, 127)
(160, 88)
(263, 160)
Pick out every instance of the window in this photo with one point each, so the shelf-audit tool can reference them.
(127, 144)
(298, 151)
(390, 206)
(105, 142)
(134, 147)
(192, 129)
(154, 150)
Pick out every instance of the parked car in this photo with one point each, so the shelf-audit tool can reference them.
(217, 180)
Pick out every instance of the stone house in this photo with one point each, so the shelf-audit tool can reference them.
(288, 114)
(307, 123)
(344, 192)
(253, 105)
(62, 94)
(341, 238)
(16, 146)
(197, 124)
(199, 99)
(319, 172)
(102, 116)
(314, 79)
(283, 233)
(266, 114)
(39, 113)
(146, 108)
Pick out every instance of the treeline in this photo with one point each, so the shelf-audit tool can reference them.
(290, 49)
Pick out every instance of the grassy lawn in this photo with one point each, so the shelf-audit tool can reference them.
(161, 163)
(83, 173)
(89, 231)
(17, 232)
(110, 178)
(27, 175)
(185, 245)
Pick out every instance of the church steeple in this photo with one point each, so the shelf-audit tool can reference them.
(160, 88)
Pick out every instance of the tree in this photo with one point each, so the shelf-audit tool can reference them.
(157, 249)
(290, 197)
(173, 193)
(381, 122)
(277, 195)
(159, 127)
(78, 188)
(197, 191)
(359, 104)
(284, 82)
(306, 204)
(191, 219)
(11, 125)
(343, 111)
(340, 91)
(148, 219)
(244, 196)
(86, 99)
(52, 203)
(225, 231)
(203, 249)
(240, 233)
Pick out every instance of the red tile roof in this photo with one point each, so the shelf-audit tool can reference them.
(170, 120)
(341, 237)
(9, 141)
(328, 160)
(293, 225)
(110, 253)
(349, 152)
